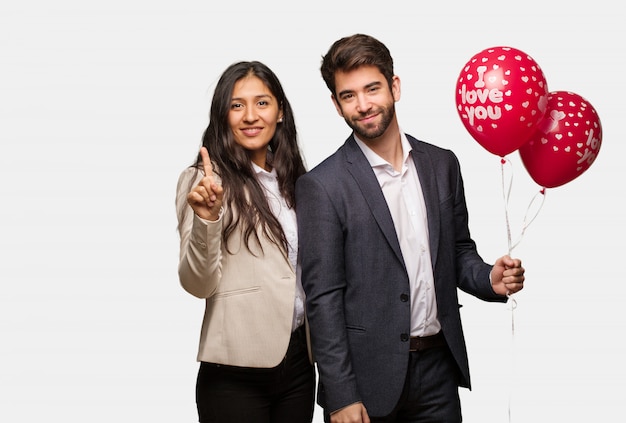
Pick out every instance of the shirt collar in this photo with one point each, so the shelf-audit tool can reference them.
(375, 160)
(260, 172)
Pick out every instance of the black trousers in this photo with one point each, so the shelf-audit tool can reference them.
(283, 394)
(431, 390)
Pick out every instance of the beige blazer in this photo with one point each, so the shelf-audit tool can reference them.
(249, 297)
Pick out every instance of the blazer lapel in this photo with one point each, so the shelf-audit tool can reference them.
(361, 171)
(428, 180)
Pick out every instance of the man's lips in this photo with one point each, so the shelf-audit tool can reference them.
(368, 118)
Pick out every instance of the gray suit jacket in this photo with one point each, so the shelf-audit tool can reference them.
(355, 279)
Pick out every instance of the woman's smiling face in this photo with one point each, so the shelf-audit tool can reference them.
(253, 116)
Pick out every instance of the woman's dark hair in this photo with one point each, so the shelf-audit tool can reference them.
(243, 194)
(352, 52)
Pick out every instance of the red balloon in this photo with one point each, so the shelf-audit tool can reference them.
(501, 95)
(566, 143)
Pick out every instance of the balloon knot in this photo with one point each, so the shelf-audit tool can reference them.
(543, 191)
(502, 160)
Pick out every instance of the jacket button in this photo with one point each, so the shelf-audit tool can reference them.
(404, 298)
(404, 337)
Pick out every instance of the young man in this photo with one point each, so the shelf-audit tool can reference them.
(385, 244)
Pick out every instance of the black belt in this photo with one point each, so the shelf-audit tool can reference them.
(420, 343)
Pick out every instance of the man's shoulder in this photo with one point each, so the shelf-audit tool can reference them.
(336, 160)
(429, 148)
(416, 142)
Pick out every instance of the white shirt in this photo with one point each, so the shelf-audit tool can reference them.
(287, 218)
(403, 193)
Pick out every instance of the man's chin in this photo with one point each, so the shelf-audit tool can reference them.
(370, 134)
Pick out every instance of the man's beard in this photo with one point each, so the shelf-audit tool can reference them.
(371, 131)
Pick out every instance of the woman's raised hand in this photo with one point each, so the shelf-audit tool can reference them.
(206, 198)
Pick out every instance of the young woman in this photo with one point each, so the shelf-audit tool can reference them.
(238, 251)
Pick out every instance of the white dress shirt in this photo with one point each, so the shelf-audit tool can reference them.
(403, 193)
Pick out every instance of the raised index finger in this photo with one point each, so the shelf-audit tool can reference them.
(206, 162)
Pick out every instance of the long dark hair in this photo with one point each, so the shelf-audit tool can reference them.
(242, 191)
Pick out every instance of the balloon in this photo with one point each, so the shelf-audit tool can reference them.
(566, 143)
(501, 95)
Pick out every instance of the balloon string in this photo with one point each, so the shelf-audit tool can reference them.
(506, 193)
(512, 303)
(526, 223)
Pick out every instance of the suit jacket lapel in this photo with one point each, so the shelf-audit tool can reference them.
(428, 180)
(362, 172)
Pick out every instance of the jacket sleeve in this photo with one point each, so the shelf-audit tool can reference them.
(199, 267)
(473, 271)
(323, 278)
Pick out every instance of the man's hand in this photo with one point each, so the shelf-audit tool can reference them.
(507, 276)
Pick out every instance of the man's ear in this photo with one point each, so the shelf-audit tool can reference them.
(395, 88)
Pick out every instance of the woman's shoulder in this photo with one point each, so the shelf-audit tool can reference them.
(188, 176)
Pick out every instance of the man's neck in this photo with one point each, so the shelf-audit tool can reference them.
(388, 145)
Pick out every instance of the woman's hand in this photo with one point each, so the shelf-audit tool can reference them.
(206, 198)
